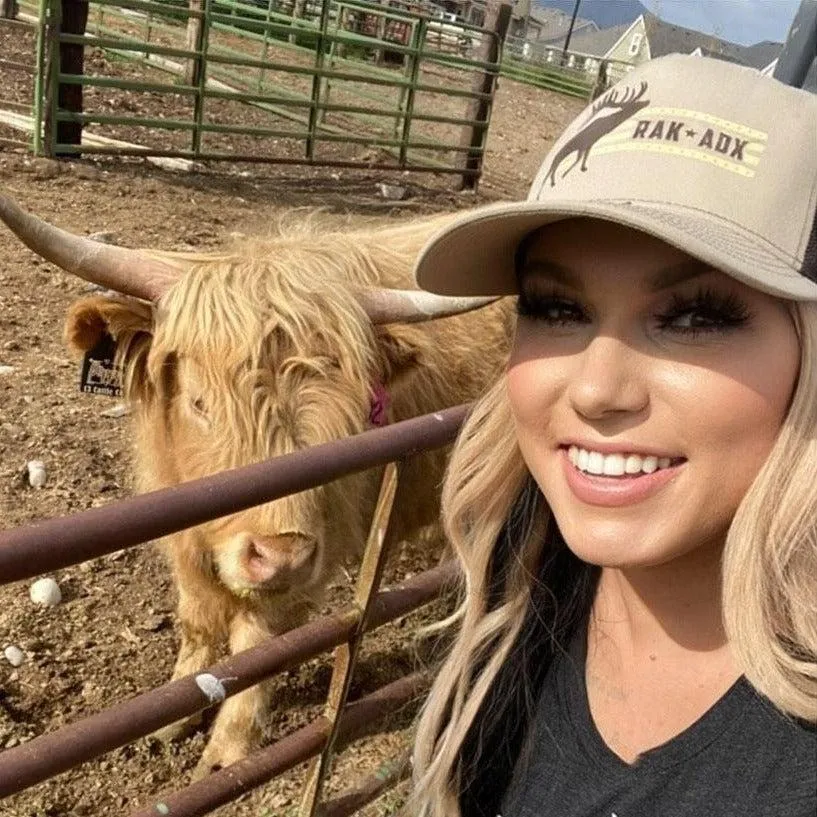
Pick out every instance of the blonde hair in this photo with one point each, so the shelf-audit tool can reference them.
(510, 552)
(770, 558)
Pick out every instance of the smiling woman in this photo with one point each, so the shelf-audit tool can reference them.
(634, 503)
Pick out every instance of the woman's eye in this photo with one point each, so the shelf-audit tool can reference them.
(706, 312)
(696, 320)
(553, 310)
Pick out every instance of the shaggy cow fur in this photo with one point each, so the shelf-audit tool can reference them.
(260, 352)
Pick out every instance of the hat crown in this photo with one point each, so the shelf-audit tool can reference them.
(696, 134)
(708, 156)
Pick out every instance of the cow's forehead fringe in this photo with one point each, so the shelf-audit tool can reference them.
(289, 293)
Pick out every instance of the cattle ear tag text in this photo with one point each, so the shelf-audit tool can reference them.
(99, 375)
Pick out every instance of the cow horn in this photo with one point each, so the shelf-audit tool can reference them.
(117, 268)
(414, 306)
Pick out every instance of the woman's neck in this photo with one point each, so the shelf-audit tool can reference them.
(677, 605)
(657, 653)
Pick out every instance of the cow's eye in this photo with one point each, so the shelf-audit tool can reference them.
(199, 407)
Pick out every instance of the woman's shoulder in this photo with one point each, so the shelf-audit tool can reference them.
(779, 755)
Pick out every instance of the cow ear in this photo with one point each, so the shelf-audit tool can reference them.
(128, 321)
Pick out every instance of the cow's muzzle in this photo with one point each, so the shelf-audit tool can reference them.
(279, 563)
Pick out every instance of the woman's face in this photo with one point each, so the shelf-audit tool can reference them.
(647, 390)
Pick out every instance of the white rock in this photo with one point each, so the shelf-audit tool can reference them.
(6, 369)
(36, 473)
(45, 592)
(392, 192)
(119, 410)
(14, 655)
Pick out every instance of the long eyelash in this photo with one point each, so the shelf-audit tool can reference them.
(724, 307)
(535, 304)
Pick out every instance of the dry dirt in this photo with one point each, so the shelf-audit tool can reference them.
(113, 634)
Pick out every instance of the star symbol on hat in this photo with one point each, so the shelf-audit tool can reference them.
(691, 133)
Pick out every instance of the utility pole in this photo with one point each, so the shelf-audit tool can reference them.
(570, 30)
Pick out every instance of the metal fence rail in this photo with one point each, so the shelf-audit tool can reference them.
(62, 542)
(310, 85)
(57, 543)
(42, 757)
(569, 72)
(19, 72)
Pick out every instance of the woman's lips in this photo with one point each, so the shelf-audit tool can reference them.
(612, 492)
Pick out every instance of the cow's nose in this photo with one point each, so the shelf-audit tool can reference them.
(279, 562)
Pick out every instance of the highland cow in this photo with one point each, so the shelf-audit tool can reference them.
(288, 341)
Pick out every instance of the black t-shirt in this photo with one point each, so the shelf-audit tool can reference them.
(742, 758)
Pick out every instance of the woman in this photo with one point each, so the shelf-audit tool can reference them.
(635, 504)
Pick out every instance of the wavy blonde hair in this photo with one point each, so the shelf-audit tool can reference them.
(514, 564)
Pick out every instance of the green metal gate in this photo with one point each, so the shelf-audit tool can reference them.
(346, 83)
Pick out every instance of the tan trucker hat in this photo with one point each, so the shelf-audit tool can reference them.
(708, 156)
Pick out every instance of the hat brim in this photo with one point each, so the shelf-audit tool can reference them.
(475, 255)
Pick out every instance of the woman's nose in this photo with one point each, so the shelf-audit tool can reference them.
(610, 378)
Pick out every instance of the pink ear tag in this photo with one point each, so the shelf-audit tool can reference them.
(379, 405)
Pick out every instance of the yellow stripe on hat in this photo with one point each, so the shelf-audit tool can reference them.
(625, 131)
(716, 121)
(701, 154)
(751, 152)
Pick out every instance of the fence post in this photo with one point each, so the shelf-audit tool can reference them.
(498, 19)
(66, 58)
(366, 587)
(198, 65)
(317, 82)
(40, 76)
(9, 9)
(195, 32)
(413, 58)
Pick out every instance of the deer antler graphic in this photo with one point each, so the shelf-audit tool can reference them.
(597, 126)
(630, 97)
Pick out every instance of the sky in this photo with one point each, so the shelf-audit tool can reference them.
(740, 21)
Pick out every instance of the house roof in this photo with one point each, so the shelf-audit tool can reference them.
(760, 55)
(598, 43)
(553, 23)
(667, 38)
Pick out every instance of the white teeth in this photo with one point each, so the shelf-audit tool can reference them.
(633, 464)
(615, 465)
(595, 463)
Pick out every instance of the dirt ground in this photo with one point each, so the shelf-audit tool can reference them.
(113, 634)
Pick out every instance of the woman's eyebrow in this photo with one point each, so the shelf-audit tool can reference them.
(679, 273)
(551, 271)
(662, 279)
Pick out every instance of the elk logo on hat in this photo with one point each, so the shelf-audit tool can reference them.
(598, 125)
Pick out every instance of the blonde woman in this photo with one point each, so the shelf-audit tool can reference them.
(634, 504)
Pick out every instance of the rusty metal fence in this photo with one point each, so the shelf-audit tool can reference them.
(29, 551)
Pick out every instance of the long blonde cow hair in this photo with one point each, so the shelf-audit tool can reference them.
(769, 578)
